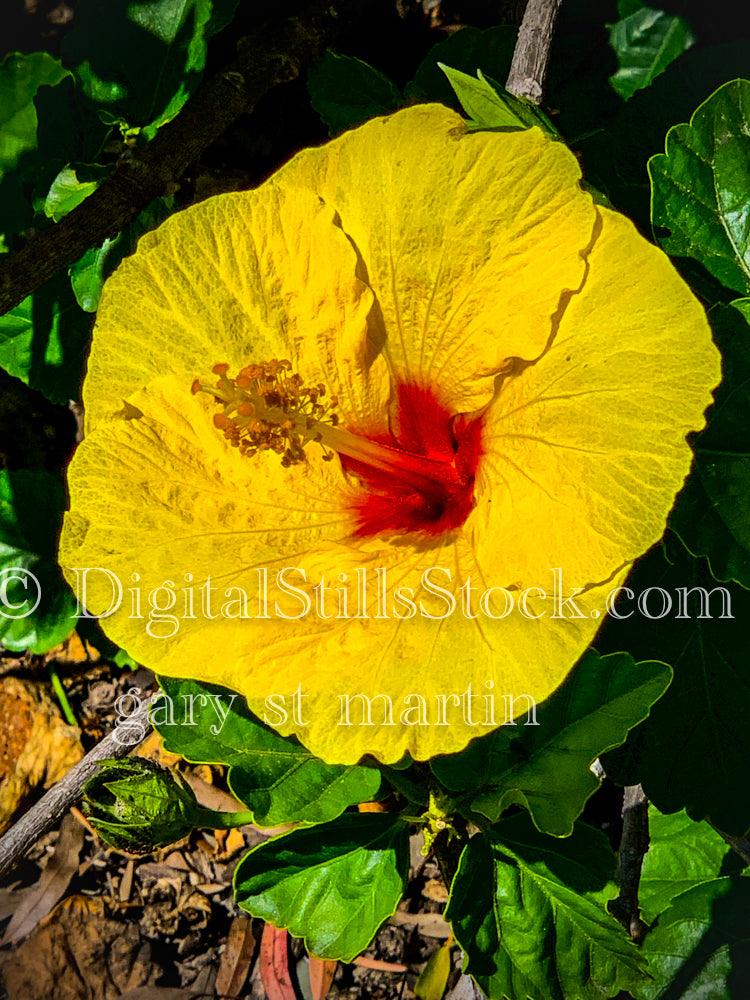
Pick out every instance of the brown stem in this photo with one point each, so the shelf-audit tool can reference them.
(740, 844)
(633, 847)
(24, 834)
(528, 69)
(277, 55)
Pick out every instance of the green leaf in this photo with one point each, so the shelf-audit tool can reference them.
(646, 42)
(703, 533)
(88, 274)
(346, 91)
(681, 854)
(692, 750)
(72, 186)
(332, 885)
(143, 59)
(700, 946)
(545, 767)
(701, 187)
(468, 50)
(490, 107)
(43, 341)
(275, 777)
(621, 139)
(31, 507)
(712, 515)
(21, 76)
(530, 913)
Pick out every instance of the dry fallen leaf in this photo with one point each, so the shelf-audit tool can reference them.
(321, 976)
(434, 888)
(36, 746)
(430, 924)
(78, 953)
(365, 962)
(35, 902)
(237, 957)
(274, 964)
(162, 993)
(72, 651)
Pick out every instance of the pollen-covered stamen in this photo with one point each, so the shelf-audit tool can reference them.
(266, 408)
(419, 479)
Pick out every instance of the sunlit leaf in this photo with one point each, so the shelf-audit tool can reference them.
(545, 767)
(332, 885)
(530, 913)
(37, 608)
(43, 340)
(275, 777)
(681, 854)
(701, 187)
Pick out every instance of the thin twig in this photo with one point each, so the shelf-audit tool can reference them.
(275, 56)
(528, 69)
(24, 834)
(633, 847)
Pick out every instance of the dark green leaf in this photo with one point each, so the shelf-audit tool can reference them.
(723, 449)
(467, 50)
(332, 885)
(546, 767)
(700, 947)
(21, 76)
(276, 778)
(681, 854)
(646, 42)
(346, 91)
(691, 751)
(43, 340)
(31, 506)
(530, 913)
(620, 142)
(696, 521)
(701, 187)
(712, 515)
(143, 60)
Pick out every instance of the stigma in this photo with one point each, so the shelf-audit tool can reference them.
(418, 469)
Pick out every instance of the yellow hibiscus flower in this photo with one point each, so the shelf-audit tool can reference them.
(362, 432)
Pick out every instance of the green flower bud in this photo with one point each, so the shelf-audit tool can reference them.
(136, 805)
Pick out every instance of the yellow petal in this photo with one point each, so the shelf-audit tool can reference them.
(236, 279)
(207, 518)
(585, 450)
(467, 240)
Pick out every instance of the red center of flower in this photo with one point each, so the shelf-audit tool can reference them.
(434, 457)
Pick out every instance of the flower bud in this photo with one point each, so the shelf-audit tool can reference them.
(136, 805)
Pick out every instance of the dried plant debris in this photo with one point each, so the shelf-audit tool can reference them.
(36, 746)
